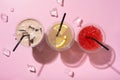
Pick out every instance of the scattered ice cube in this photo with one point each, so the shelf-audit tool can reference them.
(31, 68)
(61, 2)
(6, 52)
(12, 10)
(4, 17)
(69, 72)
(54, 12)
(78, 21)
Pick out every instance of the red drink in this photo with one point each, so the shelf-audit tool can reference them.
(87, 43)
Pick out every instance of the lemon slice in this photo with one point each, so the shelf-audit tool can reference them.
(63, 29)
(60, 41)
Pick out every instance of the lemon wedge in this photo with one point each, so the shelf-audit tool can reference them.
(63, 29)
(60, 41)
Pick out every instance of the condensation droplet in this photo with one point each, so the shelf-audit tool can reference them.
(6, 52)
(15, 38)
(69, 72)
(54, 12)
(60, 2)
(14, 35)
(78, 21)
(12, 10)
(4, 17)
(31, 68)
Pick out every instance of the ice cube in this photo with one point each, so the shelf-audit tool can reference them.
(78, 21)
(60, 2)
(31, 68)
(69, 72)
(12, 10)
(6, 52)
(4, 17)
(54, 12)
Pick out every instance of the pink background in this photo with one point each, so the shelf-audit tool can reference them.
(105, 13)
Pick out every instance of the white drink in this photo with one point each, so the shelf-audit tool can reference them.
(30, 27)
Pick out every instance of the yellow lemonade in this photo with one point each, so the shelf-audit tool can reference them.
(64, 40)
